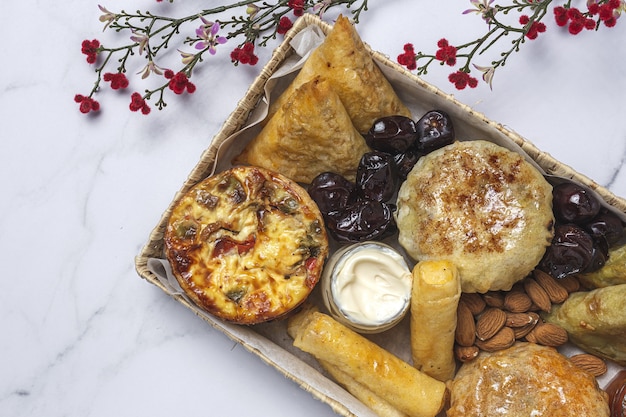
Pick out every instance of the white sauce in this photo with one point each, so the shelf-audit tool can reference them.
(371, 285)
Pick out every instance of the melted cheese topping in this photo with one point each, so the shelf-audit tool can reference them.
(246, 245)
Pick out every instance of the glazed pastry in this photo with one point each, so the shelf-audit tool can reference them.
(246, 245)
(525, 380)
(343, 59)
(595, 321)
(480, 206)
(311, 133)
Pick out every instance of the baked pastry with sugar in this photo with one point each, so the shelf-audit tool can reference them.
(481, 206)
(246, 245)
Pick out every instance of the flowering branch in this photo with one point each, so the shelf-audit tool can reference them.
(531, 14)
(151, 34)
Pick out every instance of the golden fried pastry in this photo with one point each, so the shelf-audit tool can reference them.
(246, 245)
(310, 134)
(595, 321)
(525, 380)
(435, 297)
(362, 87)
(367, 365)
(482, 207)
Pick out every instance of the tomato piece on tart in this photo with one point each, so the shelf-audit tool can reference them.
(246, 244)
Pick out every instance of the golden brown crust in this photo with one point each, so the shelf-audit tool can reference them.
(481, 206)
(525, 380)
(246, 245)
(343, 59)
(310, 134)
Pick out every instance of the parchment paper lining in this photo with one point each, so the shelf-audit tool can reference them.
(269, 340)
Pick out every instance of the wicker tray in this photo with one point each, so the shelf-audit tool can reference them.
(269, 341)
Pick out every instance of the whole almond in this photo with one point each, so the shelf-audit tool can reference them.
(494, 299)
(501, 340)
(474, 301)
(521, 319)
(537, 294)
(466, 353)
(557, 292)
(549, 334)
(522, 332)
(517, 302)
(590, 363)
(570, 283)
(465, 332)
(490, 322)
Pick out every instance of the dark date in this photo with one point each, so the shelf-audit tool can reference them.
(376, 176)
(572, 251)
(434, 130)
(574, 203)
(361, 221)
(392, 134)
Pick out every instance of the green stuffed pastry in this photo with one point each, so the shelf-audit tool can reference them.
(612, 273)
(595, 321)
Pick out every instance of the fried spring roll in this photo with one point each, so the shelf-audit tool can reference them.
(378, 405)
(434, 301)
(388, 377)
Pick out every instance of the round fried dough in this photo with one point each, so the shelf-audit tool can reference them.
(481, 206)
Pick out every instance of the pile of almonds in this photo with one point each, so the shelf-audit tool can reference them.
(495, 320)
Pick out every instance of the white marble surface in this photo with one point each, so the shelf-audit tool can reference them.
(82, 334)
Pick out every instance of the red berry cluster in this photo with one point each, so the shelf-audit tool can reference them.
(87, 104)
(446, 52)
(535, 27)
(462, 79)
(90, 48)
(244, 54)
(118, 80)
(179, 82)
(137, 102)
(576, 20)
(284, 24)
(407, 58)
(297, 6)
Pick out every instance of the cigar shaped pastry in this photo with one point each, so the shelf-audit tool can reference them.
(368, 397)
(379, 371)
(434, 300)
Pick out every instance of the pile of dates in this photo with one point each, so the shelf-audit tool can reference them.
(584, 232)
(363, 210)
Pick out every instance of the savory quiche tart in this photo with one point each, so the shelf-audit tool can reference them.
(246, 244)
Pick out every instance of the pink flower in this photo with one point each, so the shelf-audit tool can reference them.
(208, 34)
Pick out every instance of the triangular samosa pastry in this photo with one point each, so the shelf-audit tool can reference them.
(344, 61)
(311, 133)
